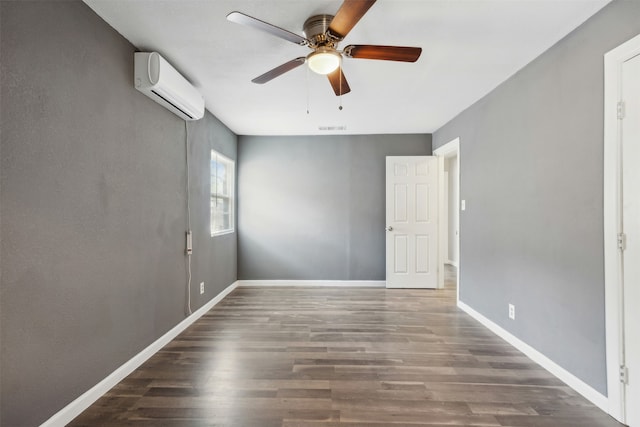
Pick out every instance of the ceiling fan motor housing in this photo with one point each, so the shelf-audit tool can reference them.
(315, 29)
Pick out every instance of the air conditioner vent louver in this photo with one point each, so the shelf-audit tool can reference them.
(158, 80)
(173, 105)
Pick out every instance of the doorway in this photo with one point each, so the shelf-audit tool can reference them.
(449, 189)
(622, 229)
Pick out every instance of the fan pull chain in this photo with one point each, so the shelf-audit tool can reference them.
(340, 69)
(307, 90)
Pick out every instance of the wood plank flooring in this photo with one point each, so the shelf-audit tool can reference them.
(340, 357)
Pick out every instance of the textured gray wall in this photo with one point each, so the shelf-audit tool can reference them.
(532, 175)
(452, 208)
(312, 207)
(92, 207)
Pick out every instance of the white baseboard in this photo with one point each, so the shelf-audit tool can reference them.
(325, 283)
(75, 408)
(565, 376)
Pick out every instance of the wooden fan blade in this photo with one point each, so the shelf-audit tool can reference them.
(339, 82)
(280, 70)
(250, 21)
(385, 53)
(348, 16)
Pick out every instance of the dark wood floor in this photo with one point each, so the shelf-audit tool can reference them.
(340, 357)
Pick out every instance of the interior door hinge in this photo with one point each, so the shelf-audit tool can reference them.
(621, 110)
(622, 241)
(624, 375)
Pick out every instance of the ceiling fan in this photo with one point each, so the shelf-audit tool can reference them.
(323, 33)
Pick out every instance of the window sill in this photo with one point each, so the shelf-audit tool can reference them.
(222, 233)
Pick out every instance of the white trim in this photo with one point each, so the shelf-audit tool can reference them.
(311, 283)
(567, 377)
(75, 408)
(230, 164)
(222, 233)
(451, 149)
(613, 61)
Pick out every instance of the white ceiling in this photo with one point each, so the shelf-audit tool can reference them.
(469, 48)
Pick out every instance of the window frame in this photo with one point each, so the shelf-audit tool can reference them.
(214, 194)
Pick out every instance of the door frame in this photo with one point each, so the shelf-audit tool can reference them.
(450, 149)
(613, 61)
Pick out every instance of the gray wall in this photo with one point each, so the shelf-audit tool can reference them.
(92, 207)
(312, 207)
(452, 209)
(532, 173)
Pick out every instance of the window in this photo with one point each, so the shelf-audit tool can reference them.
(222, 189)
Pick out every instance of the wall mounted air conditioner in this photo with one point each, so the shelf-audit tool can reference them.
(157, 79)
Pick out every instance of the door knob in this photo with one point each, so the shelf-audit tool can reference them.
(388, 228)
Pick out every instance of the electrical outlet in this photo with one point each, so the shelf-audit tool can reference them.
(201, 288)
(512, 312)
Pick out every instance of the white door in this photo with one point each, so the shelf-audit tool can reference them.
(631, 228)
(412, 222)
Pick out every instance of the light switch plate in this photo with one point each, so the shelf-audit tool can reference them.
(463, 205)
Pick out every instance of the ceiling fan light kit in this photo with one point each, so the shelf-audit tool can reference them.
(324, 60)
(323, 33)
